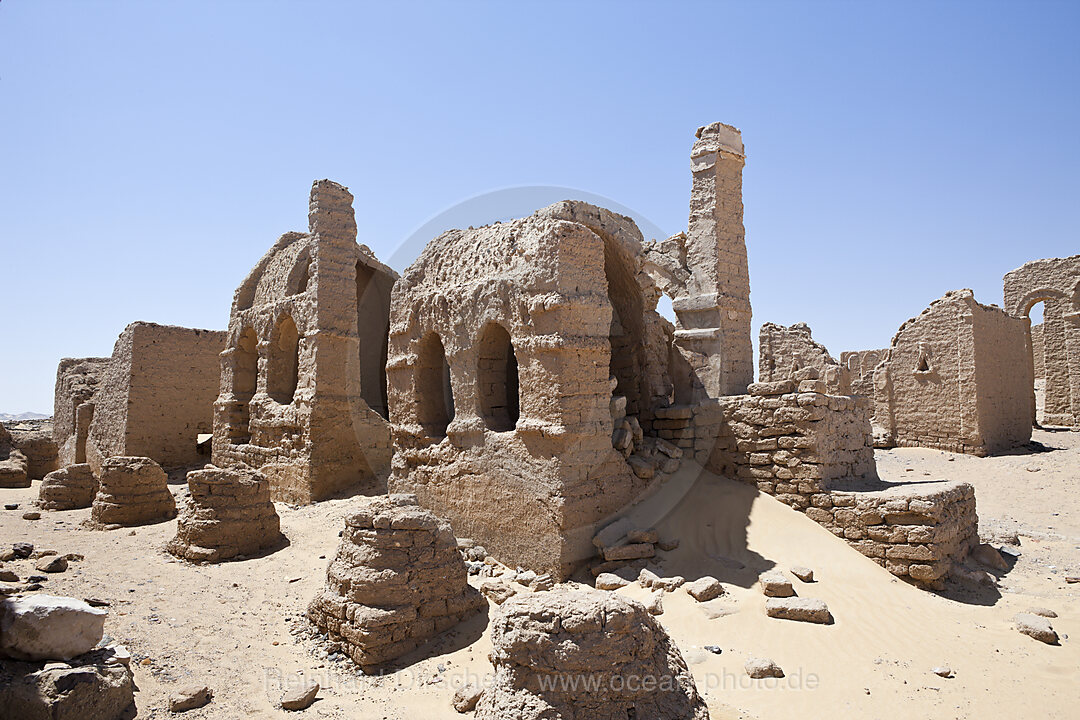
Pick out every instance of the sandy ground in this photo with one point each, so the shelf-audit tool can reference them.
(239, 627)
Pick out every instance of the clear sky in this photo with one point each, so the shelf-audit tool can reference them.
(150, 152)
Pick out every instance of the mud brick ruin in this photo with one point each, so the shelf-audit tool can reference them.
(860, 365)
(303, 385)
(397, 581)
(131, 491)
(783, 351)
(518, 380)
(68, 488)
(12, 463)
(1055, 282)
(77, 380)
(155, 395)
(958, 377)
(594, 633)
(227, 513)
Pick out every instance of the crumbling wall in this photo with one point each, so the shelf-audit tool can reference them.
(34, 439)
(1055, 282)
(958, 377)
(156, 395)
(554, 284)
(302, 376)
(860, 365)
(813, 452)
(1038, 348)
(783, 351)
(76, 383)
(789, 438)
(705, 272)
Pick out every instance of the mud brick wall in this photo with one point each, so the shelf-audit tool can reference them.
(916, 533)
(805, 447)
(788, 438)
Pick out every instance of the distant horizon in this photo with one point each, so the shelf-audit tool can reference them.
(893, 152)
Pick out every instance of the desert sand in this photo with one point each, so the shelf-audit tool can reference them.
(239, 627)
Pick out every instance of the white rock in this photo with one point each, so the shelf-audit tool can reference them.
(759, 668)
(655, 605)
(47, 627)
(610, 581)
(705, 589)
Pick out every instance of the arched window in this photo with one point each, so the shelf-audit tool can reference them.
(497, 379)
(283, 366)
(373, 330)
(435, 396)
(300, 275)
(245, 374)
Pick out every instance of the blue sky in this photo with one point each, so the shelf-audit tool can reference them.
(151, 152)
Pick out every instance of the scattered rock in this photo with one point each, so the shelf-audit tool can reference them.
(630, 552)
(715, 609)
(466, 697)
(610, 581)
(11, 506)
(55, 564)
(803, 573)
(300, 698)
(8, 575)
(1071, 579)
(759, 668)
(714, 649)
(22, 549)
(801, 609)
(61, 692)
(97, 602)
(774, 584)
(31, 515)
(668, 544)
(705, 589)
(117, 655)
(613, 534)
(1036, 627)
(989, 556)
(643, 536)
(497, 591)
(189, 698)
(944, 671)
(655, 604)
(1042, 612)
(46, 627)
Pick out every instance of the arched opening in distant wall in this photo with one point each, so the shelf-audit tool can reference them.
(283, 362)
(497, 379)
(434, 393)
(373, 330)
(245, 377)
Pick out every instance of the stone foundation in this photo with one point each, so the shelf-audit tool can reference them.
(132, 491)
(71, 488)
(228, 513)
(916, 532)
(397, 581)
